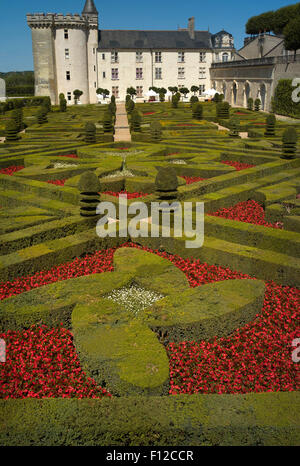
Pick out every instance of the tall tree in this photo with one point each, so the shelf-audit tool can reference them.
(292, 35)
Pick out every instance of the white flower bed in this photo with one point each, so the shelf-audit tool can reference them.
(64, 165)
(134, 298)
(179, 162)
(124, 153)
(125, 173)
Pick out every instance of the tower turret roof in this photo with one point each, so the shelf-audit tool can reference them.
(89, 8)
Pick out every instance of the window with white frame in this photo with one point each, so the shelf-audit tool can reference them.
(139, 73)
(201, 89)
(115, 91)
(202, 72)
(114, 57)
(158, 73)
(67, 53)
(66, 34)
(68, 76)
(157, 57)
(202, 57)
(139, 57)
(225, 57)
(139, 91)
(180, 73)
(181, 57)
(115, 73)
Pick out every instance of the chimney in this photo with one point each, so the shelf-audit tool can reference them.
(191, 27)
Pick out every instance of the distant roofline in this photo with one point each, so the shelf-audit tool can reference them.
(154, 30)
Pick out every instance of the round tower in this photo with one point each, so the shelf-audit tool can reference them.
(65, 53)
(90, 13)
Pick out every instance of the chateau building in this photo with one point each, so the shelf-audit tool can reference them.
(255, 71)
(70, 52)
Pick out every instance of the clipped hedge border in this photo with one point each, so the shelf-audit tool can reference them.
(269, 419)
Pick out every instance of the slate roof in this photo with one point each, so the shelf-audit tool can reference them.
(89, 8)
(120, 39)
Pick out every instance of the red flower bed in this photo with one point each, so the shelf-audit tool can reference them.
(11, 170)
(71, 156)
(241, 113)
(192, 179)
(58, 182)
(248, 212)
(100, 261)
(238, 165)
(129, 195)
(149, 113)
(42, 363)
(254, 358)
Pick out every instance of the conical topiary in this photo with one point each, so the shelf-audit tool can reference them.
(175, 101)
(250, 104)
(107, 122)
(166, 183)
(223, 110)
(257, 105)
(197, 110)
(47, 104)
(289, 142)
(130, 106)
(234, 127)
(11, 131)
(271, 122)
(89, 187)
(63, 105)
(17, 116)
(42, 116)
(156, 131)
(135, 122)
(90, 133)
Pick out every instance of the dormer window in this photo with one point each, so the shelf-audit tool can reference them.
(225, 57)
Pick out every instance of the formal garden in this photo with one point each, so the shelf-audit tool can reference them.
(141, 341)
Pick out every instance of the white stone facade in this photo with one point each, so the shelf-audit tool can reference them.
(71, 53)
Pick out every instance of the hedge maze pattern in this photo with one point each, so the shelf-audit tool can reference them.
(41, 226)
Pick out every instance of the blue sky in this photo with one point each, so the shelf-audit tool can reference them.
(15, 36)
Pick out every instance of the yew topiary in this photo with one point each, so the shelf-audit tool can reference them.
(257, 105)
(250, 104)
(234, 127)
(135, 122)
(89, 187)
(42, 116)
(289, 142)
(223, 110)
(166, 183)
(197, 110)
(90, 133)
(107, 122)
(156, 131)
(11, 131)
(270, 129)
